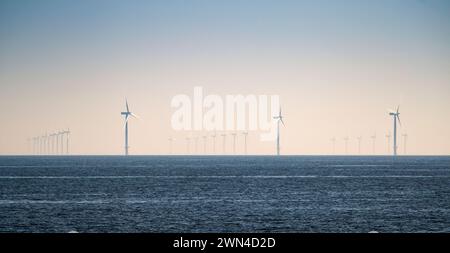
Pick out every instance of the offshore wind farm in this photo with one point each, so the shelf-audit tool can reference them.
(254, 116)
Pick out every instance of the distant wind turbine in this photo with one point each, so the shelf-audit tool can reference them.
(224, 136)
(396, 116)
(245, 141)
(234, 142)
(405, 137)
(333, 140)
(214, 142)
(388, 136)
(359, 138)
(279, 119)
(127, 114)
(373, 137)
(67, 140)
(61, 135)
(346, 144)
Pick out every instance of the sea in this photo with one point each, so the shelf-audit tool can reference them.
(276, 194)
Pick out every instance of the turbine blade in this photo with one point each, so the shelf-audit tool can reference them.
(134, 115)
(126, 103)
(398, 117)
(126, 121)
(282, 122)
(398, 108)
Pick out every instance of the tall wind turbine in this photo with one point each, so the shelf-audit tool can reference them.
(61, 134)
(346, 144)
(127, 114)
(245, 141)
(279, 119)
(44, 144)
(224, 136)
(234, 143)
(396, 116)
(214, 142)
(373, 137)
(405, 136)
(67, 140)
(359, 138)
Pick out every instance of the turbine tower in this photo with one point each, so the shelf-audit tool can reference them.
(279, 119)
(346, 144)
(396, 117)
(224, 136)
(245, 142)
(214, 142)
(127, 114)
(234, 143)
(67, 140)
(373, 137)
(61, 134)
(359, 138)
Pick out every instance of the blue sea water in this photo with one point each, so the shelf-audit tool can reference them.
(224, 194)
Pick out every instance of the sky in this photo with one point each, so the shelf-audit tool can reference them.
(337, 67)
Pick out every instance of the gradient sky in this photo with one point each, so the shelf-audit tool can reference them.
(337, 66)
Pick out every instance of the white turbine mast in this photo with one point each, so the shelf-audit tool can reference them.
(127, 115)
(396, 117)
(373, 137)
(279, 119)
(346, 139)
(245, 142)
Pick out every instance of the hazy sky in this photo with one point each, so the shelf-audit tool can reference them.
(337, 66)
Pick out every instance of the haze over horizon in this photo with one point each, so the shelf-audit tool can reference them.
(336, 65)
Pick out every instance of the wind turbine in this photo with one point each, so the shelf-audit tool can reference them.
(245, 141)
(67, 140)
(405, 136)
(346, 144)
(127, 114)
(396, 116)
(224, 136)
(44, 144)
(279, 119)
(373, 137)
(61, 134)
(359, 138)
(214, 142)
(234, 142)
